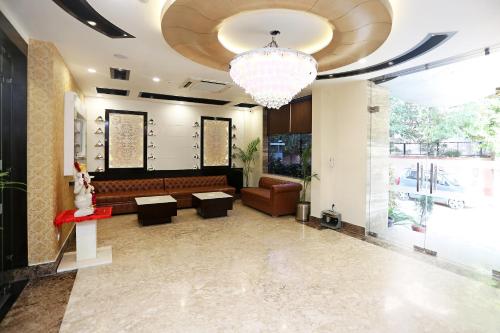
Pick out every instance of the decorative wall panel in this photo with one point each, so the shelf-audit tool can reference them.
(126, 140)
(48, 191)
(216, 142)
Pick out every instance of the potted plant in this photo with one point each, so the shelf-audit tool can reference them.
(248, 156)
(425, 204)
(303, 206)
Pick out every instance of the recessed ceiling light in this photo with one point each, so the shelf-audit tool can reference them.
(362, 61)
(124, 35)
(92, 23)
(91, 70)
(391, 63)
(156, 79)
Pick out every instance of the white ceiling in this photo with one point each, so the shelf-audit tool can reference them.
(148, 55)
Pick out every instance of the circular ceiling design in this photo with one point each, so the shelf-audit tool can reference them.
(299, 30)
(213, 32)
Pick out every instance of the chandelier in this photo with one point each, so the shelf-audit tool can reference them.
(273, 75)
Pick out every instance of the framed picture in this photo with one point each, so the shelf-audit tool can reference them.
(126, 140)
(216, 142)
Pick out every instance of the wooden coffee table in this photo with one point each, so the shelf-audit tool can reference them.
(156, 210)
(212, 204)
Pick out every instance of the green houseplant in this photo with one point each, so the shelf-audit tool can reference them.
(4, 183)
(303, 206)
(425, 205)
(248, 156)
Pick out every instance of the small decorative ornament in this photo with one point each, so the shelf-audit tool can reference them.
(99, 157)
(151, 168)
(84, 192)
(196, 156)
(195, 167)
(99, 119)
(233, 127)
(99, 131)
(151, 122)
(196, 145)
(196, 124)
(196, 135)
(99, 144)
(151, 157)
(234, 136)
(234, 145)
(99, 169)
(151, 133)
(151, 145)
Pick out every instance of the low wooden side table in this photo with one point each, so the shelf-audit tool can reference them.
(212, 204)
(156, 210)
(87, 254)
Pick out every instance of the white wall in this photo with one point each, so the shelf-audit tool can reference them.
(253, 129)
(340, 133)
(173, 128)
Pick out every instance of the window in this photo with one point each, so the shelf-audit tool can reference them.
(284, 151)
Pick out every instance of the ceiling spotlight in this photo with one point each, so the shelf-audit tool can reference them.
(362, 61)
(391, 63)
(125, 35)
(156, 79)
(91, 70)
(92, 23)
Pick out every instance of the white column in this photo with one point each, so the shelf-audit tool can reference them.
(86, 240)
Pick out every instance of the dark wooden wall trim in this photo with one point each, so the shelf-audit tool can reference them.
(13, 108)
(12, 34)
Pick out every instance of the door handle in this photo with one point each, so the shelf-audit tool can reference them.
(418, 176)
(431, 178)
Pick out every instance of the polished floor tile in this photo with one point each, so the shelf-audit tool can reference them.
(41, 305)
(252, 273)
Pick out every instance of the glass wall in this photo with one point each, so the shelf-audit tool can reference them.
(284, 151)
(444, 165)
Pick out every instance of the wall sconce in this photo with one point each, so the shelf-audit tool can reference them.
(99, 157)
(196, 145)
(151, 133)
(151, 157)
(99, 131)
(99, 144)
(99, 119)
(99, 169)
(196, 135)
(196, 124)
(151, 145)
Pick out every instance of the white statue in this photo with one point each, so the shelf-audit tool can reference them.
(83, 191)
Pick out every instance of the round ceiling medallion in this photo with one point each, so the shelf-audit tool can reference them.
(213, 32)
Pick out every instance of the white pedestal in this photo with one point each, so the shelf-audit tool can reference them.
(87, 254)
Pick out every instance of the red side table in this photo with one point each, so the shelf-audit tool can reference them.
(87, 254)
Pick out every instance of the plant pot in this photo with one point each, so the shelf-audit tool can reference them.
(418, 228)
(303, 211)
(390, 221)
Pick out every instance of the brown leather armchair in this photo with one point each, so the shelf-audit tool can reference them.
(273, 196)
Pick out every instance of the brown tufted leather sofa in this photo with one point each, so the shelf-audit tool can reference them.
(120, 194)
(273, 196)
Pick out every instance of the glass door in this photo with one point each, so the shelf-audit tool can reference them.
(444, 163)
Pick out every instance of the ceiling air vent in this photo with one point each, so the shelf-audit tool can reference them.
(111, 91)
(182, 98)
(205, 85)
(119, 73)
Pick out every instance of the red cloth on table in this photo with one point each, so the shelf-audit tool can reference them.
(68, 216)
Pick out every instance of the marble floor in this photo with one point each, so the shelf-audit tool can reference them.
(252, 273)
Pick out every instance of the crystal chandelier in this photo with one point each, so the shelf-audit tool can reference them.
(273, 75)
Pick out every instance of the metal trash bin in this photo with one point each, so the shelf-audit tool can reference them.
(303, 211)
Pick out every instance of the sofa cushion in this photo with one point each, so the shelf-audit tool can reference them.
(267, 182)
(115, 197)
(128, 185)
(198, 181)
(256, 193)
